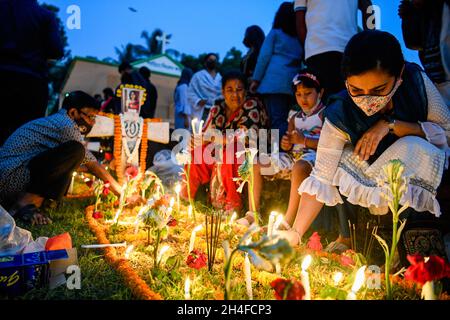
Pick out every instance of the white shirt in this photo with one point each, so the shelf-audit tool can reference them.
(330, 24)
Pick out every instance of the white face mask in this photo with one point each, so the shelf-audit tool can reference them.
(371, 104)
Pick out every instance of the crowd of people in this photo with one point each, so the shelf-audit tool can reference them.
(343, 101)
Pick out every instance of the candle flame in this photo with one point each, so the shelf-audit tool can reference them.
(278, 222)
(172, 202)
(359, 280)
(163, 251)
(74, 174)
(306, 262)
(178, 188)
(198, 228)
(337, 278)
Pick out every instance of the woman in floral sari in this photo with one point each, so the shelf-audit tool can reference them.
(230, 119)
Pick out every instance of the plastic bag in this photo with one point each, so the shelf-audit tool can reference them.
(12, 238)
(166, 168)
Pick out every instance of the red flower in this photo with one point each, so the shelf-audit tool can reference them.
(106, 189)
(97, 215)
(435, 268)
(314, 242)
(295, 290)
(346, 258)
(89, 183)
(131, 172)
(108, 156)
(172, 222)
(196, 259)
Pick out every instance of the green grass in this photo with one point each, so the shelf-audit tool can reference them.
(98, 279)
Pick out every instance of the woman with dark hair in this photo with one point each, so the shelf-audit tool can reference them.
(253, 40)
(278, 62)
(391, 110)
(182, 107)
(227, 121)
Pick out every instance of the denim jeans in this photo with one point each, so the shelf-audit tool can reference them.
(278, 106)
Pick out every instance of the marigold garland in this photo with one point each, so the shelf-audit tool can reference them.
(118, 148)
(138, 286)
(144, 148)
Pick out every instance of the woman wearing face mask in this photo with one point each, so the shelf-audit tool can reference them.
(391, 110)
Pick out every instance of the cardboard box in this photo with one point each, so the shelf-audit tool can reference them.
(21, 273)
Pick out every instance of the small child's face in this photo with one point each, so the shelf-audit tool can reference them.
(306, 97)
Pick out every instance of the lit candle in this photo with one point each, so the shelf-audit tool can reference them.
(116, 217)
(428, 292)
(278, 269)
(272, 216)
(177, 191)
(128, 251)
(193, 234)
(305, 276)
(98, 246)
(162, 252)
(359, 281)
(190, 212)
(172, 202)
(337, 278)
(277, 223)
(187, 289)
(200, 127)
(233, 217)
(72, 182)
(248, 277)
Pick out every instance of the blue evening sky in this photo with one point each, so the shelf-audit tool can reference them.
(197, 26)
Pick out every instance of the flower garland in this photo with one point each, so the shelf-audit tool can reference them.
(138, 286)
(144, 148)
(118, 148)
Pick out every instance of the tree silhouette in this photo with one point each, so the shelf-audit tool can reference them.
(127, 53)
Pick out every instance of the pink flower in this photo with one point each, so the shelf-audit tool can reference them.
(131, 172)
(196, 259)
(106, 189)
(97, 215)
(346, 258)
(314, 242)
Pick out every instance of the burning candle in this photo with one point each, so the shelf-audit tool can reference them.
(193, 234)
(194, 125)
(200, 127)
(337, 278)
(305, 276)
(272, 216)
(128, 251)
(74, 174)
(359, 281)
(172, 202)
(278, 269)
(233, 217)
(177, 191)
(187, 289)
(248, 277)
(277, 223)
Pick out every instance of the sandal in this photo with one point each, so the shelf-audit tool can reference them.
(29, 213)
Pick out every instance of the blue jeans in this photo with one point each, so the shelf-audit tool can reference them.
(278, 106)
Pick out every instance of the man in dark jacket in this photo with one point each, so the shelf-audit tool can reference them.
(29, 37)
(152, 94)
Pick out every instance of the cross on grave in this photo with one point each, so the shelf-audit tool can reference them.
(164, 39)
(129, 129)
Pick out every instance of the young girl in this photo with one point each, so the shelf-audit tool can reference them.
(299, 143)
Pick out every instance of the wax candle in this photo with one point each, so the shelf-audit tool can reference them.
(190, 211)
(177, 191)
(194, 125)
(305, 276)
(72, 181)
(272, 216)
(428, 292)
(357, 284)
(248, 277)
(98, 246)
(193, 234)
(161, 253)
(233, 217)
(128, 251)
(337, 278)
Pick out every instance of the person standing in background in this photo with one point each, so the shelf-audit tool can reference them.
(324, 29)
(152, 94)
(182, 108)
(278, 62)
(29, 38)
(205, 88)
(253, 40)
(426, 28)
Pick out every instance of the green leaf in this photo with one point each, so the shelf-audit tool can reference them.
(383, 244)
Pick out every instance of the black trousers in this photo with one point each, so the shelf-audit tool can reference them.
(51, 170)
(25, 96)
(327, 65)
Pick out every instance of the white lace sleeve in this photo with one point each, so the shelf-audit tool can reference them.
(437, 128)
(329, 151)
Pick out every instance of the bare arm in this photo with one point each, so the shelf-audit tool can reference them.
(97, 170)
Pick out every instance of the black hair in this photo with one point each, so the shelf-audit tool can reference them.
(108, 92)
(79, 100)
(186, 76)
(285, 19)
(209, 55)
(234, 75)
(372, 49)
(124, 66)
(254, 37)
(307, 81)
(145, 72)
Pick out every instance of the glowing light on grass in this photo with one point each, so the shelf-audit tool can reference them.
(193, 234)
(305, 276)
